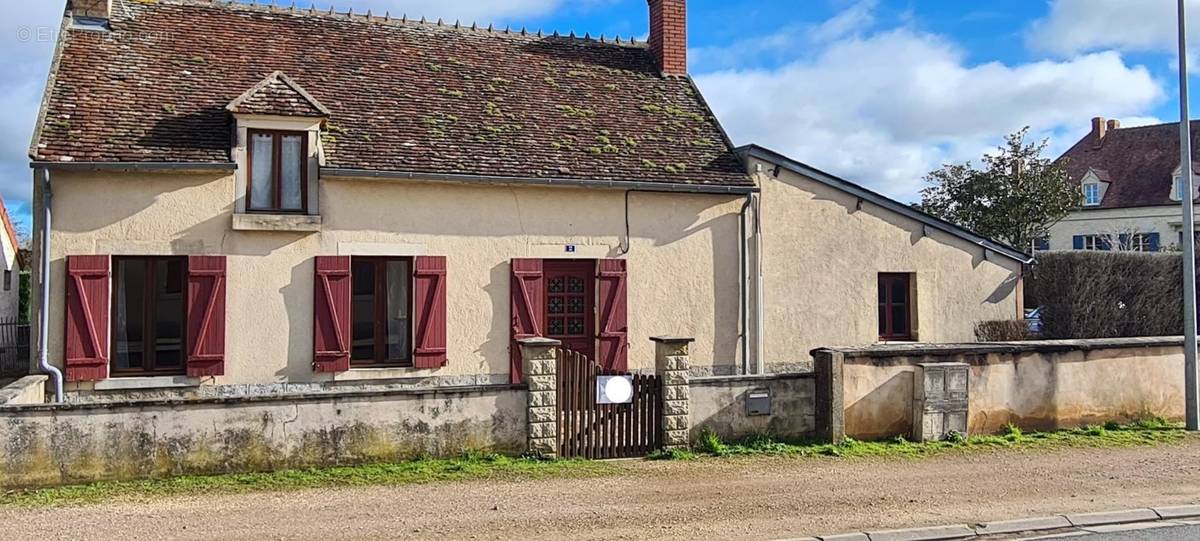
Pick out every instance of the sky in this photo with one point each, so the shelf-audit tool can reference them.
(877, 91)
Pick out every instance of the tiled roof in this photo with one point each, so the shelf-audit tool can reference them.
(402, 96)
(277, 95)
(1139, 163)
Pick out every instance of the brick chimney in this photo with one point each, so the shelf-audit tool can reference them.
(1099, 130)
(668, 35)
(97, 9)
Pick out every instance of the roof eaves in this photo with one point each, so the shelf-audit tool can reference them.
(639, 185)
(135, 166)
(884, 202)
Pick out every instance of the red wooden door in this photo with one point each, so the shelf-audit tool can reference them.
(570, 313)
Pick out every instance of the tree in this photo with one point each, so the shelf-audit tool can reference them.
(1016, 197)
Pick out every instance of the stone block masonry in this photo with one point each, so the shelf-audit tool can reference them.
(671, 362)
(539, 358)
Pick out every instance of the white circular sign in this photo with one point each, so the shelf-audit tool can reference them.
(618, 390)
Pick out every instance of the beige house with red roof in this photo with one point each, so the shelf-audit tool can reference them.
(1129, 181)
(373, 198)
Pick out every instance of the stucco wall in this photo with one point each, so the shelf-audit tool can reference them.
(1036, 385)
(822, 255)
(1164, 220)
(10, 298)
(44, 445)
(683, 263)
(719, 404)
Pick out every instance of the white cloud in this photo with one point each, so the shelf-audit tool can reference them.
(1075, 26)
(885, 108)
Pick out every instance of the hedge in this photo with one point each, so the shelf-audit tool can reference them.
(1107, 294)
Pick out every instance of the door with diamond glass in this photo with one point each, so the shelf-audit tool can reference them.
(570, 304)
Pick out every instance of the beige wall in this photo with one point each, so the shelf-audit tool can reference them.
(683, 263)
(1036, 390)
(1164, 220)
(822, 257)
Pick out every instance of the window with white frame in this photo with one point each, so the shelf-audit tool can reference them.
(1095, 242)
(1091, 194)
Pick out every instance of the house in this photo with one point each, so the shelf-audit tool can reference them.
(1130, 189)
(238, 198)
(13, 264)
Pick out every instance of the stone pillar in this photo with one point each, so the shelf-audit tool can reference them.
(672, 364)
(830, 410)
(539, 363)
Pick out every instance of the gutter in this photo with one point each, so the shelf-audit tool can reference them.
(44, 290)
(135, 166)
(641, 186)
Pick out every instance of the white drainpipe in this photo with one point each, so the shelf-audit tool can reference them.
(758, 286)
(44, 285)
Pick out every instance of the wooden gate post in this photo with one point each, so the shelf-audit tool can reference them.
(539, 362)
(672, 364)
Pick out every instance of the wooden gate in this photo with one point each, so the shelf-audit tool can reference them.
(590, 430)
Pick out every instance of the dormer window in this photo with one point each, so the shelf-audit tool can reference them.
(278, 164)
(278, 151)
(1091, 194)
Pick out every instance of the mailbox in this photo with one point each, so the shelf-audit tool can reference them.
(758, 402)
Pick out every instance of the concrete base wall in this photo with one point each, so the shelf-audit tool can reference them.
(719, 404)
(45, 445)
(27, 390)
(1035, 385)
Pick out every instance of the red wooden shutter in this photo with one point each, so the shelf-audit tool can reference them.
(611, 281)
(206, 316)
(87, 317)
(528, 292)
(429, 307)
(331, 314)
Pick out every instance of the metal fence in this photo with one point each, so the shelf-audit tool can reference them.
(14, 348)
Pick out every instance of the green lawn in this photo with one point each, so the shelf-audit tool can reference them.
(1149, 432)
(495, 467)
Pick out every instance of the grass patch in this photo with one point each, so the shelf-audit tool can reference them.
(1148, 432)
(472, 466)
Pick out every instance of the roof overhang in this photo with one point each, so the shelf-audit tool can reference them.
(639, 185)
(137, 167)
(883, 201)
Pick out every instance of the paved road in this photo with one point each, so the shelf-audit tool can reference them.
(1136, 532)
(747, 498)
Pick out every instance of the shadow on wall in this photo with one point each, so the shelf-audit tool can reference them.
(885, 411)
(722, 407)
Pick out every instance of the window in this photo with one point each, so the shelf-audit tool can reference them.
(278, 165)
(1091, 194)
(1139, 242)
(895, 307)
(149, 310)
(1094, 242)
(381, 304)
(8, 280)
(1179, 189)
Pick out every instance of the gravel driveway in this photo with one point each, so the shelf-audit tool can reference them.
(742, 498)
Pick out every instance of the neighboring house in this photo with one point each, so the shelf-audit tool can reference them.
(13, 263)
(256, 195)
(1130, 189)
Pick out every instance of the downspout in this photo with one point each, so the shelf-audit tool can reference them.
(44, 307)
(758, 286)
(743, 283)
